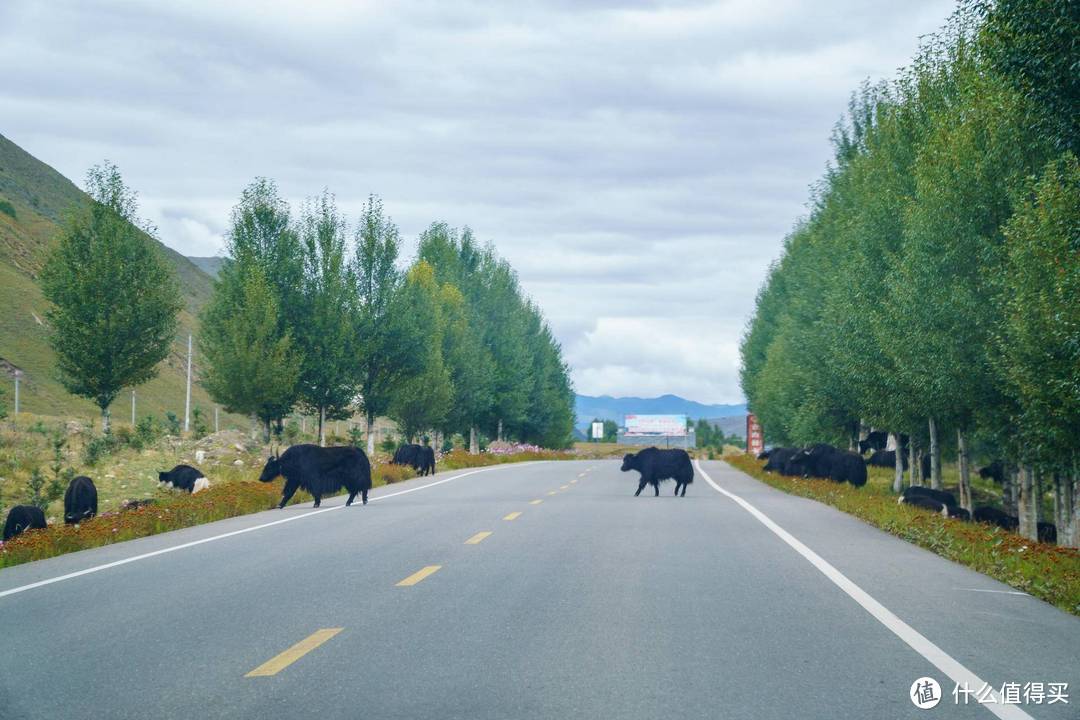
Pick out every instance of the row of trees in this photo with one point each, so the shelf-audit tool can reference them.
(311, 313)
(934, 288)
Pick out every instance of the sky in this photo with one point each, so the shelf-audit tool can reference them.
(638, 163)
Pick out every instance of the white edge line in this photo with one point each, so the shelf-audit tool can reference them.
(193, 543)
(914, 639)
(999, 592)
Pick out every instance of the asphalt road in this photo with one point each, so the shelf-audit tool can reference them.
(589, 604)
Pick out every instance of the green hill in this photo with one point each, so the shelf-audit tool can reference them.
(34, 201)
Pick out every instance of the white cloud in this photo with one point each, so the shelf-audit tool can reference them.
(638, 162)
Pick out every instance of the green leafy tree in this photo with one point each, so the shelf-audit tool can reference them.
(422, 400)
(250, 367)
(1038, 344)
(114, 301)
(468, 361)
(326, 334)
(385, 353)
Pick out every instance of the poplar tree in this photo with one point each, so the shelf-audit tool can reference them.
(114, 301)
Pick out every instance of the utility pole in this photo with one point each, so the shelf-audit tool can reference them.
(215, 418)
(187, 400)
(18, 374)
(133, 408)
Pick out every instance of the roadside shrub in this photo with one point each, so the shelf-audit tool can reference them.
(292, 432)
(147, 432)
(389, 444)
(198, 423)
(172, 423)
(7, 208)
(98, 447)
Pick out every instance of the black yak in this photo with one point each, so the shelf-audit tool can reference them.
(876, 440)
(778, 458)
(80, 500)
(814, 461)
(1047, 532)
(22, 518)
(764, 454)
(987, 514)
(945, 498)
(184, 477)
(656, 465)
(427, 466)
(926, 503)
(994, 471)
(320, 471)
(847, 467)
(411, 454)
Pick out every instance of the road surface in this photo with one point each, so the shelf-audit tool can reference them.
(737, 601)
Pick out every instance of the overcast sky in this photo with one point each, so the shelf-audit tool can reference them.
(638, 163)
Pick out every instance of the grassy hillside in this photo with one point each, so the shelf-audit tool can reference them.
(34, 202)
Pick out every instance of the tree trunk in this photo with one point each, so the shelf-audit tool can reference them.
(499, 434)
(105, 419)
(1072, 534)
(1026, 504)
(914, 458)
(935, 457)
(898, 466)
(474, 442)
(965, 472)
(369, 432)
(1062, 506)
(1037, 495)
(322, 426)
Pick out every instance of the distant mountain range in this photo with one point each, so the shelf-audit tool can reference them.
(606, 407)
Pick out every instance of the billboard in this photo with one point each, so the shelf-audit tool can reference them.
(671, 425)
(598, 431)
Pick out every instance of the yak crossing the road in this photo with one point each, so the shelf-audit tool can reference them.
(80, 500)
(22, 518)
(656, 465)
(320, 471)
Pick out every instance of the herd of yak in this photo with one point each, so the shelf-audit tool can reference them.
(825, 461)
(317, 470)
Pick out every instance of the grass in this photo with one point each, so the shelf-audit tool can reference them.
(1045, 571)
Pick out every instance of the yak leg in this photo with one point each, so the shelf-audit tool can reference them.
(656, 487)
(363, 495)
(352, 496)
(640, 487)
(318, 500)
(287, 492)
(684, 489)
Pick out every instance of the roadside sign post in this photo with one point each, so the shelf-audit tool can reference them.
(18, 374)
(598, 431)
(755, 439)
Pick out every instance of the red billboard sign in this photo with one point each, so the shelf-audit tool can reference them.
(755, 439)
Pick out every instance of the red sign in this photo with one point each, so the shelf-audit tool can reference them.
(755, 439)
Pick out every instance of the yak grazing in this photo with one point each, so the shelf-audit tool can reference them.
(656, 465)
(22, 518)
(80, 500)
(320, 471)
(184, 477)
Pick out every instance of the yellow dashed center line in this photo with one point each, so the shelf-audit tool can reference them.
(276, 664)
(551, 493)
(564, 487)
(535, 502)
(573, 481)
(419, 575)
(513, 516)
(478, 538)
